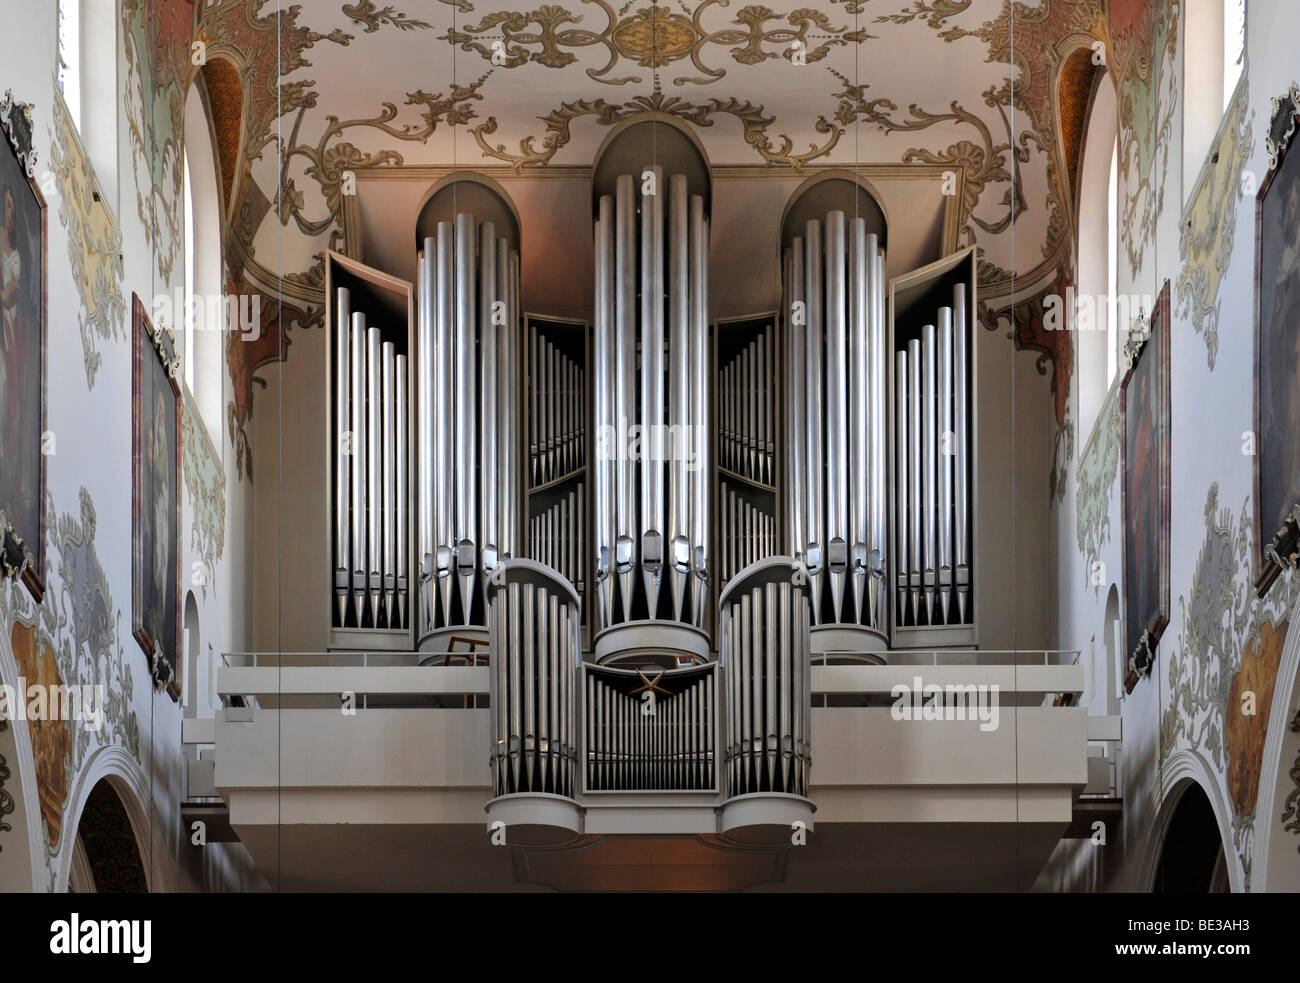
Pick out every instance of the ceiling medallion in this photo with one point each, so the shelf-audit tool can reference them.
(654, 37)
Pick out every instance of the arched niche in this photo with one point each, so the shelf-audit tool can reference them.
(109, 844)
(1192, 858)
(470, 193)
(834, 190)
(190, 674)
(646, 139)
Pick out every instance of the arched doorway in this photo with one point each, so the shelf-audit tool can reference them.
(1191, 860)
(107, 847)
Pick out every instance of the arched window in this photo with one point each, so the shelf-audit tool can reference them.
(205, 312)
(1097, 331)
(190, 671)
(1214, 53)
(70, 57)
(87, 50)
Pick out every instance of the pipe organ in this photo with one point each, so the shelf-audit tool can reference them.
(651, 480)
(836, 366)
(468, 424)
(490, 467)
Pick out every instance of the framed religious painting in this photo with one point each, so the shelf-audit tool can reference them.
(22, 353)
(155, 510)
(1144, 403)
(1277, 348)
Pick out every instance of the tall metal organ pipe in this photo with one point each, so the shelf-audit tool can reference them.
(467, 429)
(651, 469)
(837, 428)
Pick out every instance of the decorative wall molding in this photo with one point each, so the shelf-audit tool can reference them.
(94, 242)
(205, 482)
(1209, 224)
(1095, 488)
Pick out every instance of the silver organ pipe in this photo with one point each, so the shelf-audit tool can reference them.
(837, 423)
(442, 474)
(651, 496)
(488, 318)
(606, 425)
(814, 544)
(624, 289)
(374, 461)
(862, 416)
(388, 475)
(427, 445)
(961, 451)
(465, 533)
(902, 462)
(929, 448)
(914, 428)
(943, 461)
(508, 395)
(357, 365)
(343, 462)
(679, 388)
(700, 401)
(652, 388)
(878, 370)
(402, 485)
(837, 531)
(796, 402)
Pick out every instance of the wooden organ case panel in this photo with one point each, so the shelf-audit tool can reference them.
(556, 431)
(932, 339)
(370, 352)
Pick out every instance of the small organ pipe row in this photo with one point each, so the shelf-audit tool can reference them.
(370, 470)
(467, 435)
(836, 363)
(556, 428)
(748, 411)
(650, 355)
(748, 532)
(932, 474)
(556, 536)
(664, 741)
(765, 647)
(536, 646)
